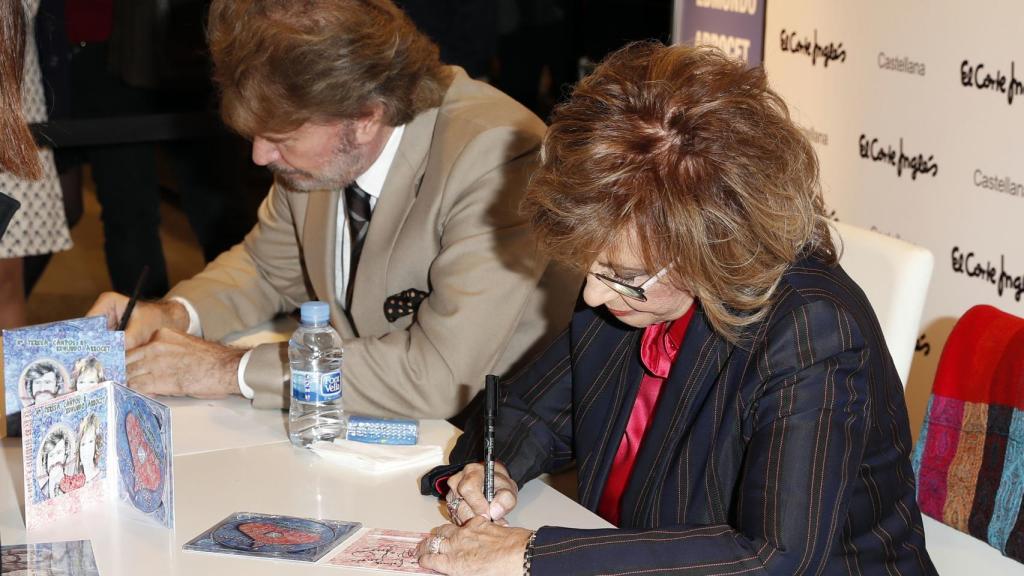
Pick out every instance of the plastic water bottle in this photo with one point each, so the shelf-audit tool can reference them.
(315, 354)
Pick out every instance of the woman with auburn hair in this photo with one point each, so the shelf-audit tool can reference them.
(726, 395)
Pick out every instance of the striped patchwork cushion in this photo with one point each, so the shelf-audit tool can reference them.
(969, 457)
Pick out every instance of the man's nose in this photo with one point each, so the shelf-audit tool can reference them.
(264, 151)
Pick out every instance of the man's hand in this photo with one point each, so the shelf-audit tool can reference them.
(147, 318)
(176, 364)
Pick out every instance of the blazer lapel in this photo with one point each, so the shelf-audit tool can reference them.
(694, 373)
(608, 373)
(319, 239)
(400, 190)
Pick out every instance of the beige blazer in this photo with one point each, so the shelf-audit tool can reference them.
(447, 223)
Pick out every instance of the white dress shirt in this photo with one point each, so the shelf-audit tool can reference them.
(372, 182)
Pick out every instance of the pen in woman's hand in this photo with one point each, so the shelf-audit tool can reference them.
(491, 413)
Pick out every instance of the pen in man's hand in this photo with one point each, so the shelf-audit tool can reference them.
(131, 301)
(491, 386)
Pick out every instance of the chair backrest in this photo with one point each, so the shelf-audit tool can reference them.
(894, 275)
(969, 457)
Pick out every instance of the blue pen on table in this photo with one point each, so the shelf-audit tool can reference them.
(491, 386)
(123, 324)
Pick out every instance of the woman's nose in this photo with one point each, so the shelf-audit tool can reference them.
(596, 293)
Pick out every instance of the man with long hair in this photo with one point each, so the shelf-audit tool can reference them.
(397, 186)
(54, 454)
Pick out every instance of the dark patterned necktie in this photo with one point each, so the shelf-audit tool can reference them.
(357, 205)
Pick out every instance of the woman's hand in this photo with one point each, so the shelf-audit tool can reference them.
(478, 548)
(466, 494)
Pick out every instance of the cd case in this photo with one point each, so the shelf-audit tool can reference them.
(104, 444)
(273, 536)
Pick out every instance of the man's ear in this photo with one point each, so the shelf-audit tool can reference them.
(369, 124)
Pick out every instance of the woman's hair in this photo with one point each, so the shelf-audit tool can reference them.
(91, 422)
(281, 63)
(692, 159)
(86, 364)
(18, 154)
(42, 368)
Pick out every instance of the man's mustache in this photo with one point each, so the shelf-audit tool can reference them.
(288, 172)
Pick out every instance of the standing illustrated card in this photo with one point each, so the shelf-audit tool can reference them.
(384, 550)
(272, 536)
(50, 360)
(49, 559)
(97, 446)
(143, 454)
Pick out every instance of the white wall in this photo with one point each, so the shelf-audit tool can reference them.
(957, 135)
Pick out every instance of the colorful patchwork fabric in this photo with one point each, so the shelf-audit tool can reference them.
(969, 456)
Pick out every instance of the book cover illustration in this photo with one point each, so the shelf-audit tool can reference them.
(66, 457)
(50, 360)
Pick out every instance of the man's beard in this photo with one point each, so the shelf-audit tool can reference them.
(344, 166)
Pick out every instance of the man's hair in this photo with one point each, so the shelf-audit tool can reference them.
(50, 443)
(695, 158)
(42, 368)
(282, 63)
(18, 153)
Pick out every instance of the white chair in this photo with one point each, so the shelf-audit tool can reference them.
(894, 275)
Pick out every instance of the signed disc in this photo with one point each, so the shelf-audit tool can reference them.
(143, 462)
(273, 534)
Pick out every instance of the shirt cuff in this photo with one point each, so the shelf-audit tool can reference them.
(194, 327)
(244, 388)
(435, 481)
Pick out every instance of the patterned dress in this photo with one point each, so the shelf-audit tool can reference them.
(39, 226)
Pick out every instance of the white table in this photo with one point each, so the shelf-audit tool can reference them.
(955, 553)
(229, 458)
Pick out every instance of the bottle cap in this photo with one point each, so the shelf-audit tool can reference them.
(314, 312)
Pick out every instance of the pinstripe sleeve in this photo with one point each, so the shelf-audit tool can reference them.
(534, 430)
(805, 433)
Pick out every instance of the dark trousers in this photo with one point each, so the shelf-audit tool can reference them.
(127, 184)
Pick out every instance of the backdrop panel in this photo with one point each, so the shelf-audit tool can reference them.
(916, 109)
(734, 26)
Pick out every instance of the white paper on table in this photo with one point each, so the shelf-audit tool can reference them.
(377, 458)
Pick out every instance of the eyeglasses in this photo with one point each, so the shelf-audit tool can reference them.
(638, 293)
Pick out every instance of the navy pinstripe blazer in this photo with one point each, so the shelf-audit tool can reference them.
(786, 454)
